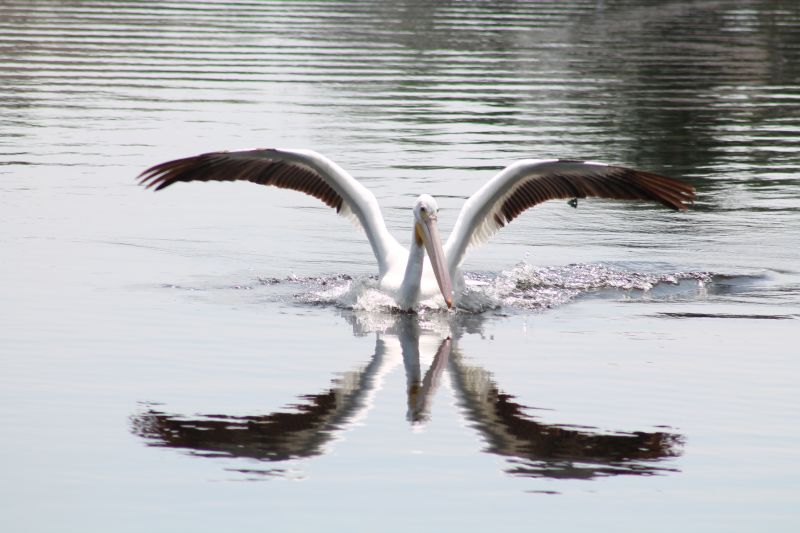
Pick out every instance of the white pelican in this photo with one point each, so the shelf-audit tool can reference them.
(404, 274)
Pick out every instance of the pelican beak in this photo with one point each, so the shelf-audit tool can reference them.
(433, 245)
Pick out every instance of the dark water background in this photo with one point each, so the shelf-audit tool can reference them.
(186, 360)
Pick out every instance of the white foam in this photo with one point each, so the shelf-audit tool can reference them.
(524, 286)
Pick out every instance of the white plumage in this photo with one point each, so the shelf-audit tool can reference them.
(404, 273)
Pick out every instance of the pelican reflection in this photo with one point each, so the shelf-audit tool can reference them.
(304, 429)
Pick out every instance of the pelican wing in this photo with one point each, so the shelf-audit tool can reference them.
(526, 183)
(301, 170)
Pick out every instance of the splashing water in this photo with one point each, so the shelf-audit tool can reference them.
(522, 287)
(532, 287)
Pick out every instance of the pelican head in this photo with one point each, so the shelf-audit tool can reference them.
(426, 213)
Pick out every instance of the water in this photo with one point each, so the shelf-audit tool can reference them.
(208, 357)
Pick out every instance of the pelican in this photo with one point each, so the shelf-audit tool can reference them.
(403, 273)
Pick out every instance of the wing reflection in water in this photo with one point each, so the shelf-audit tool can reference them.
(534, 449)
(550, 450)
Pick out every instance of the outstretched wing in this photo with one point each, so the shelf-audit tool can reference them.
(301, 170)
(526, 183)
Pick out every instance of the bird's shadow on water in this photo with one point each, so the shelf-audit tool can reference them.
(303, 430)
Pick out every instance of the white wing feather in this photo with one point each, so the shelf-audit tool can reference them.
(302, 170)
(529, 182)
(477, 221)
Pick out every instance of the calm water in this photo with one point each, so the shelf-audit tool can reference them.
(196, 359)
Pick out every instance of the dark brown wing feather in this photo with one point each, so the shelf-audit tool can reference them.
(598, 181)
(529, 182)
(258, 166)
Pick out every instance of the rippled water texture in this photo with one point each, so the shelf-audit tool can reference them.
(215, 357)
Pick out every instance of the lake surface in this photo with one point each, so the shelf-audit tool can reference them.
(199, 358)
